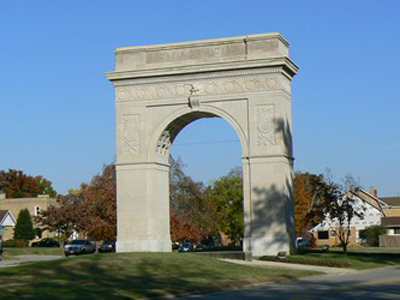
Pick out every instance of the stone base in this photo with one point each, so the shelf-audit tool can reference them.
(144, 246)
(270, 246)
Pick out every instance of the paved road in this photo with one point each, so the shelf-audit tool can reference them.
(27, 258)
(383, 283)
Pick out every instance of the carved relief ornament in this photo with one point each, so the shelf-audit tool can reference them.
(265, 118)
(130, 134)
(205, 87)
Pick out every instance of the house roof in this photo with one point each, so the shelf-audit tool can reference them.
(3, 215)
(390, 221)
(392, 201)
(371, 199)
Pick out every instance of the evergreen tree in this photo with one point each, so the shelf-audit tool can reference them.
(24, 228)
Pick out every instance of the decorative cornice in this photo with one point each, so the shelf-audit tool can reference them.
(284, 64)
(201, 76)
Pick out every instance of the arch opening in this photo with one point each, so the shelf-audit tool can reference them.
(208, 155)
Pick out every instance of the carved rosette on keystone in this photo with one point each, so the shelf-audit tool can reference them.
(160, 89)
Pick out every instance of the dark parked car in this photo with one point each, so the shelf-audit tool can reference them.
(77, 247)
(186, 247)
(302, 243)
(46, 242)
(107, 246)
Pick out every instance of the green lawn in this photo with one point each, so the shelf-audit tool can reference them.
(390, 250)
(131, 276)
(10, 252)
(356, 258)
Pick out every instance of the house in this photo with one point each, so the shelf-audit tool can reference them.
(7, 224)
(373, 210)
(390, 207)
(14, 205)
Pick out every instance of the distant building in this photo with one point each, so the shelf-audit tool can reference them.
(7, 223)
(325, 232)
(390, 207)
(14, 205)
(378, 211)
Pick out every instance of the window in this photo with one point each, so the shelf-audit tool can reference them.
(37, 210)
(396, 230)
(323, 235)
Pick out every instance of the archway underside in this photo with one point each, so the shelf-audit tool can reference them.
(170, 133)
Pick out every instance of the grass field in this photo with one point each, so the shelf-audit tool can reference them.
(9, 253)
(131, 276)
(356, 258)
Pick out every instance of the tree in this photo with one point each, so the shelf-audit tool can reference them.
(16, 184)
(24, 228)
(63, 218)
(45, 186)
(339, 208)
(99, 199)
(191, 215)
(306, 215)
(226, 194)
(372, 234)
(183, 229)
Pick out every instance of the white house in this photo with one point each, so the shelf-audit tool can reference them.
(325, 232)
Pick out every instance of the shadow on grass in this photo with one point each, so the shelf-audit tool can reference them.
(123, 276)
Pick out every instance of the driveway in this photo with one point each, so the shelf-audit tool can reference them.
(382, 283)
(19, 259)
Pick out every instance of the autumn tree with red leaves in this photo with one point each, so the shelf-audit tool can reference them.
(16, 184)
(63, 218)
(192, 215)
(91, 210)
(307, 215)
(99, 204)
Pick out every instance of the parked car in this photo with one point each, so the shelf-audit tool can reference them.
(201, 247)
(46, 242)
(107, 246)
(302, 243)
(76, 247)
(186, 247)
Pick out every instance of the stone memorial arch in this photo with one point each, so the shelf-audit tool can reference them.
(162, 88)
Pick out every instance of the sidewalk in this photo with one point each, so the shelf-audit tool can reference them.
(270, 264)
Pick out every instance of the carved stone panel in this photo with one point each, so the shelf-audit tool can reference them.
(265, 118)
(130, 134)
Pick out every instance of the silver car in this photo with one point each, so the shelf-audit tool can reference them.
(77, 247)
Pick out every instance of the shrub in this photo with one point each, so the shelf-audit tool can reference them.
(372, 234)
(15, 243)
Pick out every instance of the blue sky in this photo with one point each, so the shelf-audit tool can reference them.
(57, 108)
